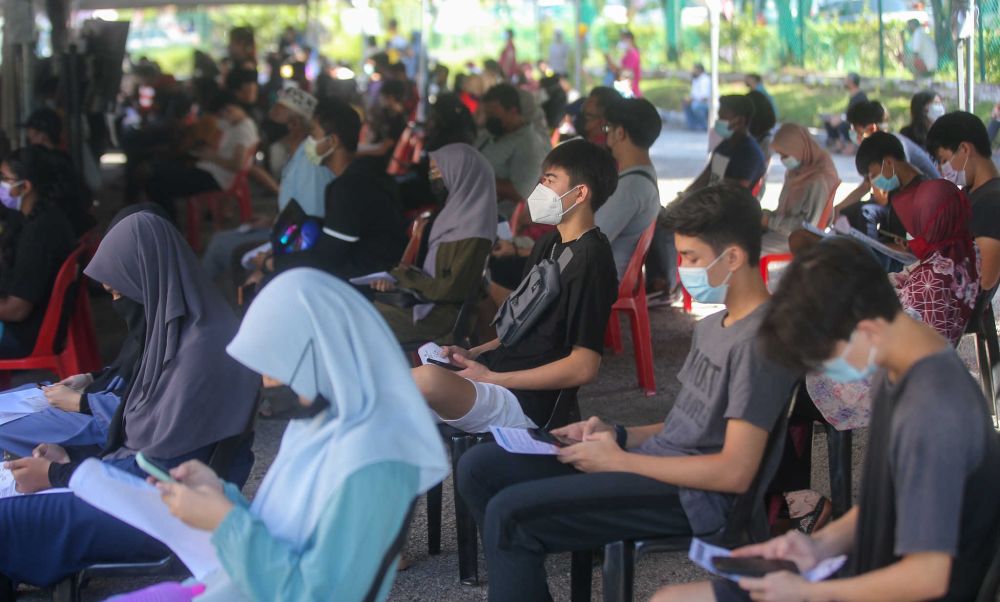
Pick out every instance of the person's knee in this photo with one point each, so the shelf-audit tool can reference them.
(688, 592)
(470, 478)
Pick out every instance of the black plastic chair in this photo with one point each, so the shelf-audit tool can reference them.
(747, 523)
(983, 326)
(990, 588)
(565, 411)
(68, 590)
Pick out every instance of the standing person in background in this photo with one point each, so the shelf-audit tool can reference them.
(558, 54)
(630, 65)
(396, 46)
(508, 57)
(755, 82)
(919, 54)
(242, 49)
(925, 108)
(838, 129)
(696, 104)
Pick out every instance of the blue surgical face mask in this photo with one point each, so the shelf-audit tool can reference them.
(842, 371)
(695, 281)
(887, 184)
(722, 129)
(791, 163)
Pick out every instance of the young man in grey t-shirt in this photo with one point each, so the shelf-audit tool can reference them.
(677, 477)
(926, 524)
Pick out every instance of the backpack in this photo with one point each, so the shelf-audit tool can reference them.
(537, 292)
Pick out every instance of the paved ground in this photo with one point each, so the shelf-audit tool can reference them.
(678, 157)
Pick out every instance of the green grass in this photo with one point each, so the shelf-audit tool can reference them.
(797, 103)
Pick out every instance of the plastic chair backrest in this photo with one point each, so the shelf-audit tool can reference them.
(242, 177)
(465, 321)
(413, 245)
(824, 218)
(767, 260)
(632, 280)
(407, 151)
(516, 216)
(48, 333)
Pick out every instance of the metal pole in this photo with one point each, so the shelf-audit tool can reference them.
(579, 48)
(881, 43)
(802, 32)
(714, 10)
(422, 62)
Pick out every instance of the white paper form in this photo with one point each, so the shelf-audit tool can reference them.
(366, 280)
(136, 502)
(431, 351)
(21, 402)
(519, 441)
(8, 486)
(701, 553)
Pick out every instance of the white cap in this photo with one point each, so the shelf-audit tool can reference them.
(298, 101)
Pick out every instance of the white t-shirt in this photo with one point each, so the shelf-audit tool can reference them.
(242, 134)
(701, 88)
(922, 45)
(558, 57)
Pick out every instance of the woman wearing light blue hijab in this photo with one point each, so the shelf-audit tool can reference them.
(330, 514)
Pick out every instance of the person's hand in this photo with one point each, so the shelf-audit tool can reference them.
(471, 369)
(258, 260)
(383, 286)
(597, 453)
(254, 278)
(77, 381)
(579, 431)
(453, 351)
(776, 587)
(503, 248)
(52, 452)
(202, 507)
(63, 397)
(30, 474)
(195, 473)
(794, 546)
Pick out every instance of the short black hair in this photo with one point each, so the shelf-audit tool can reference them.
(628, 34)
(955, 128)
(721, 215)
(241, 35)
(638, 117)
(764, 119)
(492, 65)
(605, 96)
(586, 163)
(866, 113)
(338, 118)
(739, 104)
(222, 99)
(238, 78)
(393, 88)
(875, 149)
(825, 292)
(506, 95)
(755, 77)
(855, 78)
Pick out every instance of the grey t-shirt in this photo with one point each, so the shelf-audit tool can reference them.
(517, 157)
(918, 157)
(725, 375)
(628, 212)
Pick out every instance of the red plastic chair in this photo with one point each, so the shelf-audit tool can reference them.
(632, 300)
(412, 249)
(239, 190)
(824, 218)
(74, 358)
(409, 148)
(516, 217)
(767, 260)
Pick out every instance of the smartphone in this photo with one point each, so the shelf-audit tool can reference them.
(546, 437)
(752, 566)
(158, 473)
(445, 365)
(10, 457)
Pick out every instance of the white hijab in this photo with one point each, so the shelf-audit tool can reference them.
(312, 331)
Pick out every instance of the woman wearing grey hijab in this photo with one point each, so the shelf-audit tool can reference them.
(458, 240)
(186, 395)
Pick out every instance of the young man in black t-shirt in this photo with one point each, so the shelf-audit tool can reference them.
(960, 143)
(518, 386)
(738, 158)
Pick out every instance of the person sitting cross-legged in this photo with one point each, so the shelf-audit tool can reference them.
(925, 527)
(677, 477)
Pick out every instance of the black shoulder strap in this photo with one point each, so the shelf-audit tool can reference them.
(643, 173)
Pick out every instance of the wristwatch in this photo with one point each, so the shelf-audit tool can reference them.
(621, 436)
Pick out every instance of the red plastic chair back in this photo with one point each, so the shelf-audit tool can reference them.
(407, 153)
(69, 273)
(633, 280)
(517, 217)
(413, 246)
(767, 260)
(824, 218)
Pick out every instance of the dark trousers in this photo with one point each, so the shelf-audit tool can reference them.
(530, 506)
(174, 180)
(837, 132)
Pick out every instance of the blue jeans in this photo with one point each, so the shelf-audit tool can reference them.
(696, 114)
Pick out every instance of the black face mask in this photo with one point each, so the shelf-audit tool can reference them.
(134, 315)
(494, 125)
(273, 130)
(439, 191)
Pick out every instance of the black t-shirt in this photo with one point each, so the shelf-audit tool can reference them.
(578, 318)
(738, 158)
(363, 231)
(43, 244)
(985, 220)
(857, 97)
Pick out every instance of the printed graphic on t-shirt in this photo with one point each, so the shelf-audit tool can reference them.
(720, 164)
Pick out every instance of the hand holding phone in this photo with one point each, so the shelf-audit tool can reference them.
(752, 566)
(158, 473)
(445, 365)
(546, 437)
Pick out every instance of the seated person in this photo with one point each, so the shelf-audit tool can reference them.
(519, 385)
(961, 145)
(738, 158)
(763, 122)
(217, 167)
(326, 521)
(921, 529)
(35, 240)
(387, 122)
(677, 477)
(513, 147)
(925, 108)
(458, 240)
(363, 232)
(838, 128)
(810, 180)
(187, 396)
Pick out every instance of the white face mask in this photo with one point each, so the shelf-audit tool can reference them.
(6, 198)
(935, 110)
(955, 176)
(545, 205)
(309, 148)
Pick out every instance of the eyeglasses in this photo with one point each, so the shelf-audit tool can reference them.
(606, 128)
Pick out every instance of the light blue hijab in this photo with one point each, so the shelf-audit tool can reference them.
(315, 333)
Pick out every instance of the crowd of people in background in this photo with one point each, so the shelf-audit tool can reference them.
(400, 210)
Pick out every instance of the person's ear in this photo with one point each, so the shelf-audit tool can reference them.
(582, 194)
(736, 258)
(872, 329)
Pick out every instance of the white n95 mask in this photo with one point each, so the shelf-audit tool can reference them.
(545, 205)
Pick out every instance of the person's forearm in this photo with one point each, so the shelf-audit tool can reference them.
(916, 577)
(709, 472)
(838, 537)
(572, 371)
(490, 346)
(855, 196)
(264, 179)
(637, 435)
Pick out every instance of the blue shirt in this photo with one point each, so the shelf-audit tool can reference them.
(304, 182)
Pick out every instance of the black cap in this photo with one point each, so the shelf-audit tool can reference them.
(46, 121)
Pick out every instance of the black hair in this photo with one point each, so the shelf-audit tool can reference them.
(393, 23)
(626, 33)
(380, 60)
(241, 35)
(866, 113)
(338, 118)
(699, 66)
(825, 293)
(638, 117)
(393, 88)
(855, 78)
(449, 122)
(764, 119)
(605, 96)
(221, 100)
(238, 78)
(721, 215)
(875, 149)
(738, 104)
(504, 94)
(589, 164)
(955, 128)
(398, 69)
(492, 65)
(754, 77)
(916, 130)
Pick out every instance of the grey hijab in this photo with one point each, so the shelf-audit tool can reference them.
(187, 392)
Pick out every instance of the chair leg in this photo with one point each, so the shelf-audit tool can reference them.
(67, 590)
(434, 520)
(581, 574)
(465, 525)
(619, 571)
(838, 445)
(642, 342)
